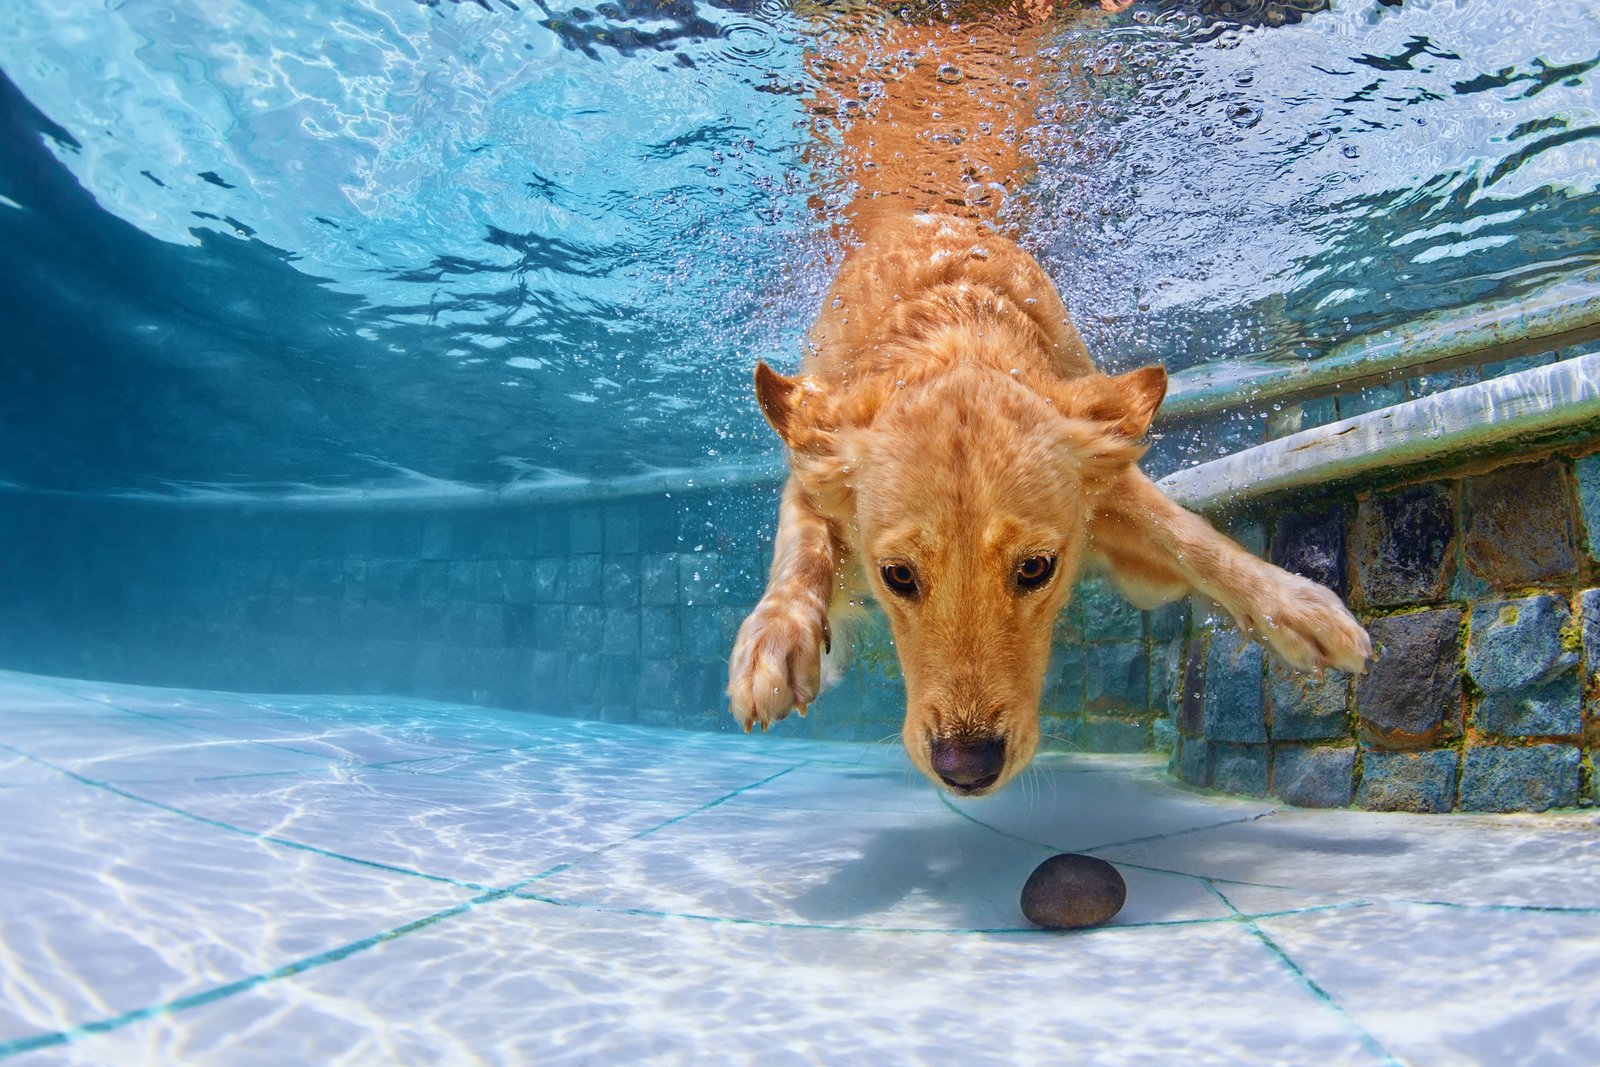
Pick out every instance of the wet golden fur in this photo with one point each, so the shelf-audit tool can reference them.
(949, 421)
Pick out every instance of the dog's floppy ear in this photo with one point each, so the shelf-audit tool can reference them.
(1106, 416)
(800, 409)
(1127, 402)
(1145, 389)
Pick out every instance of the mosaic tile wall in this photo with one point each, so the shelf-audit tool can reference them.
(1480, 591)
(623, 611)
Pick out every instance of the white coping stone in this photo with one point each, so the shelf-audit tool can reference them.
(1561, 397)
(1530, 404)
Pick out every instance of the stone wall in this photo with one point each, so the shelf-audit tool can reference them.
(1479, 590)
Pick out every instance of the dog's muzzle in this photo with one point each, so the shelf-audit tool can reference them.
(968, 767)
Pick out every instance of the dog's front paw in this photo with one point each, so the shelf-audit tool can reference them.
(1307, 625)
(777, 661)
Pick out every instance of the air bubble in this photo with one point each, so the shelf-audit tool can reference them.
(949, 73)
(1243, 115)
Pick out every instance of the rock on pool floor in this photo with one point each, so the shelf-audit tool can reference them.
(192, 877)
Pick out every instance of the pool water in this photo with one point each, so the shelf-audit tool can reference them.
(196, 877)
(305, 306)
(415, 246)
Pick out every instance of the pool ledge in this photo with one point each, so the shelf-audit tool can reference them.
(1540, 404)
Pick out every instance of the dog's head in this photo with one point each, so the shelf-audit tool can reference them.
(966, 498)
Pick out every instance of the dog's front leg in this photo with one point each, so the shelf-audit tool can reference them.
(1159, 551)
(776, 662)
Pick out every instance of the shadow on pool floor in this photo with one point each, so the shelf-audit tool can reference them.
(215, 878)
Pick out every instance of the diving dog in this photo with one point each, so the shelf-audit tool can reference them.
(955, 455)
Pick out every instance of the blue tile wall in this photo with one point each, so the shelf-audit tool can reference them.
(1483, 590)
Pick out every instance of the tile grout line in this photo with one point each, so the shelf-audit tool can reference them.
(1305, 981)
(1351, 898)
(16, 1046)
(232, 828)
(1033, 931)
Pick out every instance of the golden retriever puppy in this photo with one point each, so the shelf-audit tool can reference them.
(954, 453)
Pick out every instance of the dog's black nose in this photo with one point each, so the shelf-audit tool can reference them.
(968, 766)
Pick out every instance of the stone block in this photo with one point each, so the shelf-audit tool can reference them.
(1520, 779)
(1240, 768)
(1115, 735)
(621, 632)
(1408, 781)
(1312, 544)
(1522, 655)
(488, 625)
(621, 529)
(433, 581)
(547, 677)
(1234, 709)
(1321, 777)
(584, 531)
(658, 685)
(519, 584)
(463, 580)
(700, 631)
(585, 628)
(1060, 733)
(583, 673)
(743, 578)
(1405, 545)
(1117, 676)
(491, 584)
(1192, 699)
(703, 693)
(658, 580)
(550, 627)
(550, 580)
(1305, 707)
(1519, 526)
(1163, 736)
(1167, 622)
(583, 580)
(1106, 614)
(699, 578)
(1192, 761)
(1166, 667)
(1411, 696)
(619, 583)
(1066, 680)
(1587, 470)
(1589, 616)
(658, 631)
(521, 625)
(658, 524)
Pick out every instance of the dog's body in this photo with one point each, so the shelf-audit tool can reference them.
(954, 453)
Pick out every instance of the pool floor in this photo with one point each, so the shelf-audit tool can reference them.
(194, 877)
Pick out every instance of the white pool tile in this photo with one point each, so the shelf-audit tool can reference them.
(716, 898)
(1075, 803)
(1548, 860)
(525, 982)
(111, 906)
(1442, 985)
(836, 868)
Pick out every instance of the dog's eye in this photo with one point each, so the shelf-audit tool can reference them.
(1035, 571)
(901, 579)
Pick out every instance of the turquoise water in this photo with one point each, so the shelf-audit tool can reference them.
(262, 252)
(261, 247)
(206, 878)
